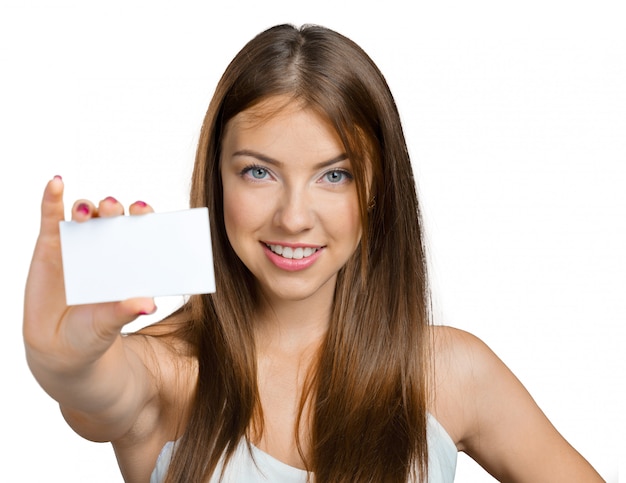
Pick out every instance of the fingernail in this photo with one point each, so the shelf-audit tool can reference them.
(110, 199)
(83, 208)
(56, 176)
(142, 204)
(143, 312)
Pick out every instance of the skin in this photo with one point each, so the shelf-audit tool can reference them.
(130, 390)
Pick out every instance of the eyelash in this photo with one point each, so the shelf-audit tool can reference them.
(348, 176)
(249, 169)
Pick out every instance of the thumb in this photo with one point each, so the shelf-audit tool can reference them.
(90, 330)
(109, 318)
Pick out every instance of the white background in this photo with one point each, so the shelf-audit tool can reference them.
(515, 114)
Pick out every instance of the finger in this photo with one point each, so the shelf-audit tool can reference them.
(140, 208)
(83, 210)
(44, 293)
(109, 318)
(110, 207)
(129, 310)
(52, 209)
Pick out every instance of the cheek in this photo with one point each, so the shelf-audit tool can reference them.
(346, 220)
(240, 214)
(233, 216)
(355, 228)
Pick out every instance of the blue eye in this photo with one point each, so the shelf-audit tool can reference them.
(256, 172)
(337, 176)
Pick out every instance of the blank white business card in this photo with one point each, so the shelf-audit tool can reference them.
(152, 255)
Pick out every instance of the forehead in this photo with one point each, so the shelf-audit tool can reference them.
(261, 112)
(281, 124)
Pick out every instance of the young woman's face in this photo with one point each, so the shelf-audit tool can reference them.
(290, 202)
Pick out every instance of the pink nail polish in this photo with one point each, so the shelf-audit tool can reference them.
(110, 199)
(143, 312)
(56, 176)
(142, 204)
(83, 208)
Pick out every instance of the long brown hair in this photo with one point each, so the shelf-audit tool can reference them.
(368, 389)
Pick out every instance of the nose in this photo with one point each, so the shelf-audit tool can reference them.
(294, 211)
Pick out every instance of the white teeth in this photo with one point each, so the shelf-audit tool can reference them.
(292, 253)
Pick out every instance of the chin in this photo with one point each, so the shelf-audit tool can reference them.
(291, 291)
(290, 295)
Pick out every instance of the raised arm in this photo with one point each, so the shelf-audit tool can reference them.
(77, 353)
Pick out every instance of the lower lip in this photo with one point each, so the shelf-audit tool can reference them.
(292, 264)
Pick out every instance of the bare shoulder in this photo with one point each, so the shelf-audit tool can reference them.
(491, 416)
(459, 358)
(462, 361)
(453, 346)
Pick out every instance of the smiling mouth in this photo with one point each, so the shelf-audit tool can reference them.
(292, 253)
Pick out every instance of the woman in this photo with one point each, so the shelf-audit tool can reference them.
(315, 357)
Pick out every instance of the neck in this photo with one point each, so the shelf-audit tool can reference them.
(294, 325)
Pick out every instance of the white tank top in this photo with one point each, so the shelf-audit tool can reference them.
(256, 466)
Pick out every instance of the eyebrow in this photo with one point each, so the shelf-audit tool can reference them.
(275, 162)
